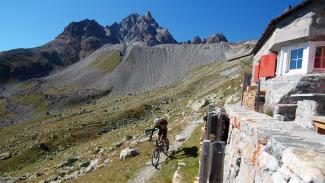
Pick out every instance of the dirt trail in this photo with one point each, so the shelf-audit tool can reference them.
(148, 171)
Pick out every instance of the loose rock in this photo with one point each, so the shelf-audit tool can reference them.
(180, 138)
(68, 162)
(177, 178)
(5, 156)
(128, 153)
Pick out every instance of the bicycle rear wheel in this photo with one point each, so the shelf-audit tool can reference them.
(155, 157)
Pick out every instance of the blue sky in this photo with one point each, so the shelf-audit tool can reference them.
(30, 23)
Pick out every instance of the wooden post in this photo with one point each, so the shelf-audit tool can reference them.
(257, 96)
(246, 82)
(208, 126)
(204, 162)
(218, 152)
(243, 90)
(219, 126)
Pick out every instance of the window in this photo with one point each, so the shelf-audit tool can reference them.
(296, 58)
(320, 57)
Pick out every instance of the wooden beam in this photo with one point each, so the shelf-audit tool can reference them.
(218, 153)
(204, 162)
(208, 126)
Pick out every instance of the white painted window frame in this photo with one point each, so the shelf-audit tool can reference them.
(284, 64)
(312, 53)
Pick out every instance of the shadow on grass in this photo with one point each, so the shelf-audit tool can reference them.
(187, 152)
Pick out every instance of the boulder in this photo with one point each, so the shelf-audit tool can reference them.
(4, 156)
(125, 153)
(90, 167)
(199, 104)
(107, 162)
(180, 138)
(94, 162)
(68, 162)
(306, 109)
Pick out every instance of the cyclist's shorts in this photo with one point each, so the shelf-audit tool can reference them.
(163, 132)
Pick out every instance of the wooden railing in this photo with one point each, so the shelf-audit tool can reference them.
(212, 157)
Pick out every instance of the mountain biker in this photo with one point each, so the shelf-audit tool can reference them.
(161, 125)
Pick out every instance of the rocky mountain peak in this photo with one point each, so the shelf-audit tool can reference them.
(215, 38)
(141, 29)
(148, 15)
(196, 40)
(85, 28)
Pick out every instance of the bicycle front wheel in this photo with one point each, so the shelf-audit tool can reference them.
(155, 157)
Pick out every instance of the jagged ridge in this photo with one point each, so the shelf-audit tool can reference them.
(78, 40)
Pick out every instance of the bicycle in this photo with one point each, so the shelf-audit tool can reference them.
(155, 156)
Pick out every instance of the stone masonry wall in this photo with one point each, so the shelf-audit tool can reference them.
(261, 149)
(280, 89)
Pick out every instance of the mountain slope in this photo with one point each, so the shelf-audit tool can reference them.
(114, 68)
(143, 68)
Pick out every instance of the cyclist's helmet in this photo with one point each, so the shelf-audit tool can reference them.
(157, 121)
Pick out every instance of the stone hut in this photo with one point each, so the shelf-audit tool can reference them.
(289, 63)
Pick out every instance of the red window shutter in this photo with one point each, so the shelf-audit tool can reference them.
(256, 72)
(267, 65)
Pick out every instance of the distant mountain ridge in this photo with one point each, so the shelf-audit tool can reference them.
(80, 39)
(215, 38)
